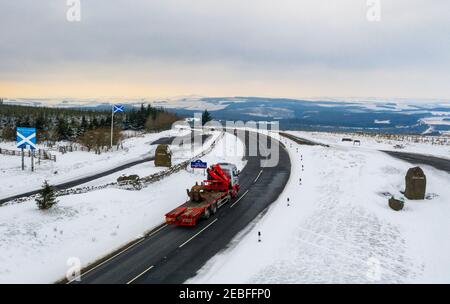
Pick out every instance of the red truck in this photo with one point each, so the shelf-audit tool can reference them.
(220, 187)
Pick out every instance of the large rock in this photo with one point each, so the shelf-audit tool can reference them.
(128, 179)
(416, 183)
(163, 156)
(396, 204)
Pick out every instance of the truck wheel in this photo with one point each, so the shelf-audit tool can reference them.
(214, 208)
(207, 213)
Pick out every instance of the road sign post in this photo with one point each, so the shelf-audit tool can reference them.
(23, 159)
(32, 160)
(198, 164)
(26, 138)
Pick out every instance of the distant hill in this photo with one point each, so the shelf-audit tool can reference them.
(349, 114)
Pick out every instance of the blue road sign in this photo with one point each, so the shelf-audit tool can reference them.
(198, 164)
(118, 108)
(26, 137)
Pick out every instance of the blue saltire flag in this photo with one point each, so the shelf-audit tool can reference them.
(118, 108)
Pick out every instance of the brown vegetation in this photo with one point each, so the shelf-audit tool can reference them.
(163, 121)
(99, 138)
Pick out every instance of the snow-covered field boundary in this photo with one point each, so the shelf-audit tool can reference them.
(143, 182)
(73, 165)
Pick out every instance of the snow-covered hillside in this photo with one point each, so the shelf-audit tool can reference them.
(71, 165)
(35, 245)
(338, 227)
(377, 143)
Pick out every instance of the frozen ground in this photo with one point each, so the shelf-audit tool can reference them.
(371, 143)
(338, 227)
(35, 245)
(71, 165)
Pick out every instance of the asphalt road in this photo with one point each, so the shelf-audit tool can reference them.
(80, 181)
(174, 254)
(417, 159)
(200, 138)
(301, 141)
(413, 158)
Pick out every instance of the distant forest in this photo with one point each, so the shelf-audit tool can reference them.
(58, 124)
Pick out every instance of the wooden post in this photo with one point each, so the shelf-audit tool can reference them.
(23, 160)
(32, 160)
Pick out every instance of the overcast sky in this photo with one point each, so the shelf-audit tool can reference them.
(278, 48)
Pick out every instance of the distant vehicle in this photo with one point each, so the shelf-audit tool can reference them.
(347, 139)
(221, 186)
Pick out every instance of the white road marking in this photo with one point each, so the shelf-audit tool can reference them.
(102, 263)
(141, 274)
(256, 179)
(116, 255)
(197, 233)
(241, 197)
(155, 232)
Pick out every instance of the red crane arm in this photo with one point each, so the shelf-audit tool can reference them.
(218, 179)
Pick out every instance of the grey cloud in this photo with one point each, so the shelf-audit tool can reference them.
(257, 34)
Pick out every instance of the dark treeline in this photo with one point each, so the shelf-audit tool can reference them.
(56, 124)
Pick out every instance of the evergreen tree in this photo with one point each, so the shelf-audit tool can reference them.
(94, 123)
(8, 133)
(206, 117)
(46, 197)
(63, 129)
(83, 126)
(40, 123)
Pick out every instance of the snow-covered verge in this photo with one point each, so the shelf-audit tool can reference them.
(373, 143)
(338, 227)
(35, 245)
(71, 165)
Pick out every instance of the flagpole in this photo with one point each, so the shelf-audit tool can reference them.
(112, 125)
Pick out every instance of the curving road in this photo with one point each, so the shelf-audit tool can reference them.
(173, 254)
(195, 137)
(414, 158)
(80, 181)
(89, 178)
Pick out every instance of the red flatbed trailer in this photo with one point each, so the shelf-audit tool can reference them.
(205, 199)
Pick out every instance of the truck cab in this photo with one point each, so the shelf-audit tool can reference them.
(231, 171)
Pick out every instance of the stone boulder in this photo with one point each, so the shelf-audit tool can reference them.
(163, 156)
(416, 183)
(396, 204)
(124, 179)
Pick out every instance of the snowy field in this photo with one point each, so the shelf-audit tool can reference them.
(71, 165)
(338, 227)
(370, 143)
(35, 245)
